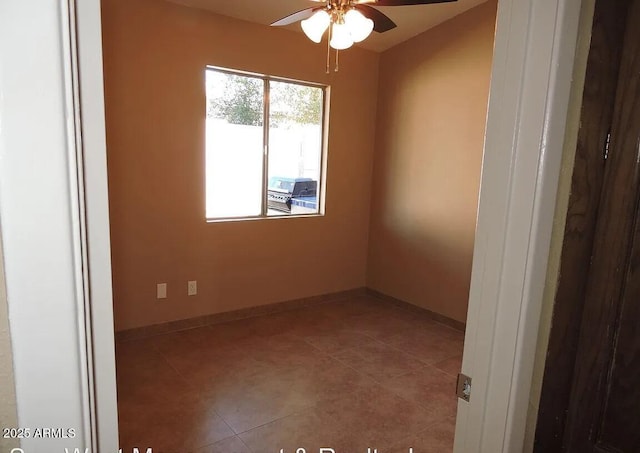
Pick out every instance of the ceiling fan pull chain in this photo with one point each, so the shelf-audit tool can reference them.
(329, 50)
(337, 67)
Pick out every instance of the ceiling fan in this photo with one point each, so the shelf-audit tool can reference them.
(348, 21)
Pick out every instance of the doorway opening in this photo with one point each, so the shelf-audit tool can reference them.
(363, 305)
(532, 106)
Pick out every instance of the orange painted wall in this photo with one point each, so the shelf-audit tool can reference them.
(155, 54)
(431, 117)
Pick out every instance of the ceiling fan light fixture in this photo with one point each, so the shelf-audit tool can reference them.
(315, 26)
(348, 21)
(360, 27)
(341, 36)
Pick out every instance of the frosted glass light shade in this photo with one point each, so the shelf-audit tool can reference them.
(315, 26)
(341, 37)
(359, 26)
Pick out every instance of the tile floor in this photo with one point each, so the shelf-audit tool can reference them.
(348, 375)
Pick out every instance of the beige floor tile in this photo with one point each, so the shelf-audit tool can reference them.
(367, 418)
(230, 445)
(378, 360)
(350, 375)
(427, 387)
(438, 438)
(169, 428)
(428, 347)
(379, 325)
(450, 366)
(336, 340)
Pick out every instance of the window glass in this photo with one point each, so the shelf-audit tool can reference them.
(241, 144)
(295, 147)
(234, 145)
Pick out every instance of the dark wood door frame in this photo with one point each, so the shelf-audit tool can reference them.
(584, 203)
(602, 416)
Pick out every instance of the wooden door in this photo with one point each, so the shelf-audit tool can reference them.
(604, 407)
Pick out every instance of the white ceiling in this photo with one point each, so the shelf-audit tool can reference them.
(411, 20)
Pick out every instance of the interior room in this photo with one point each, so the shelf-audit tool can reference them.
(340, 328)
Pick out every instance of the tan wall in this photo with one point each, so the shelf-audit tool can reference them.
(8, 408)
(432, 107)
(155, 54)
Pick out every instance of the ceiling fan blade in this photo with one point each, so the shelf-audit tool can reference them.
(407, 2)
(291, 18)
(381, 22)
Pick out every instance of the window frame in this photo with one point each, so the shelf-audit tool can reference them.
(266, 79)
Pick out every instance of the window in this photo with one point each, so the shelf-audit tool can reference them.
(264, 146)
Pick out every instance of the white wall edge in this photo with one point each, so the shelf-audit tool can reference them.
(530, 89)
(41, 224)
(57, 253)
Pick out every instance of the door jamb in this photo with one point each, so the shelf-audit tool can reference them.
(531, 81)
(586, 181)
(532, 71)
(98, 241)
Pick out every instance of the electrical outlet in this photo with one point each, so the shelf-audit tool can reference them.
(192, 288)
(161, 291)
